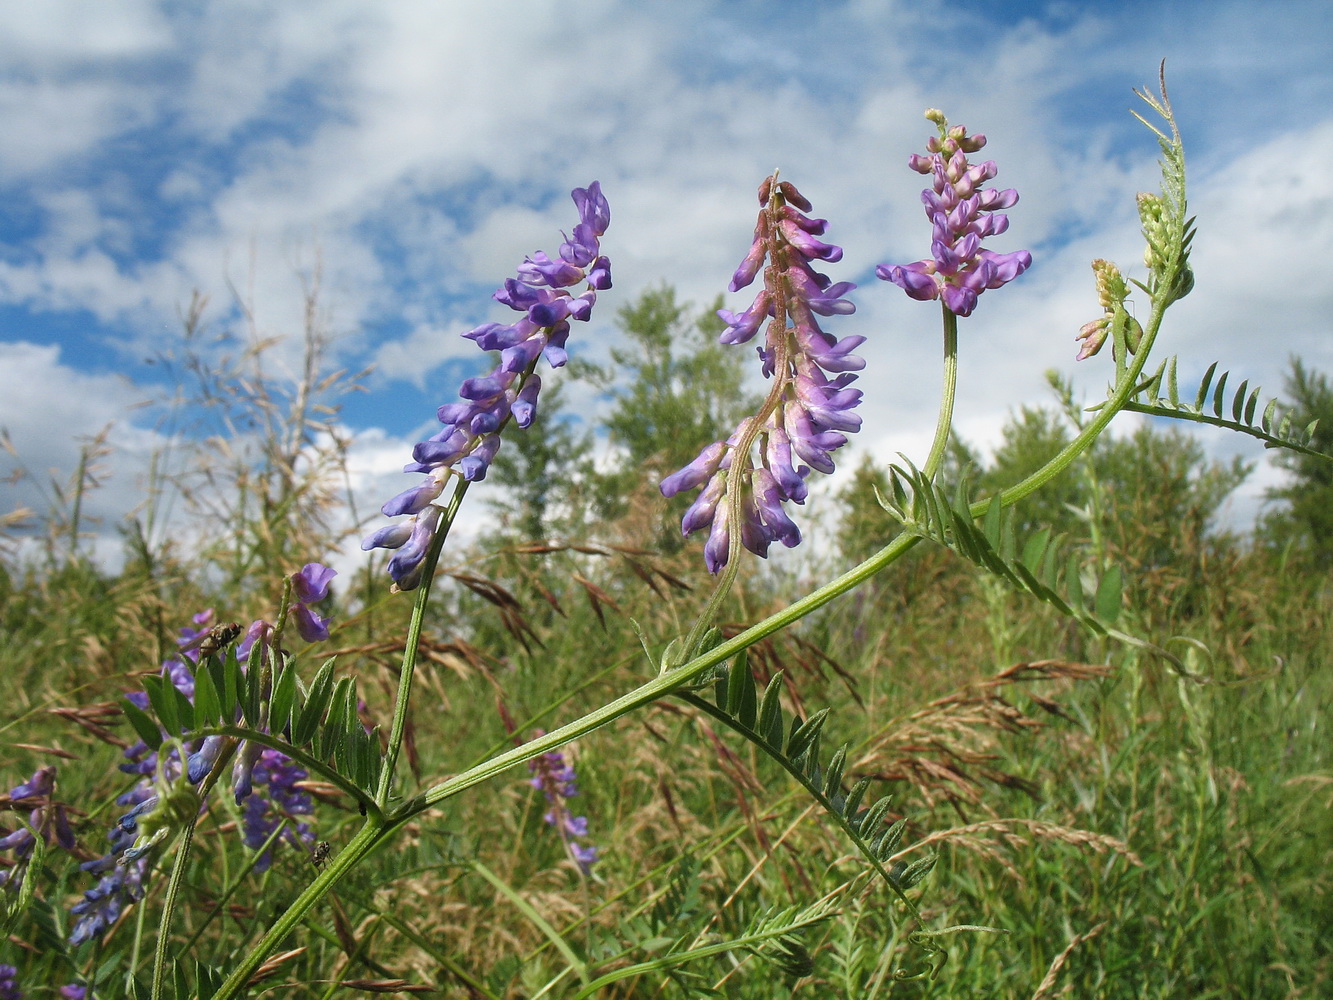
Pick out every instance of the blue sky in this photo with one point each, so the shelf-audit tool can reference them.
(420, 149)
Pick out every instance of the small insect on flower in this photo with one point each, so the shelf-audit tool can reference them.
(214, 639)
(320, 854)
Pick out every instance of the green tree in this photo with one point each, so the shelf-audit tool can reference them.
(546, 470)
(1306, 514)
(673, 390)
(1161, 493)
(1028, 441)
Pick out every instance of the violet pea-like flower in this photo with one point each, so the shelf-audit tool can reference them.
(310, 586)
(962, 214)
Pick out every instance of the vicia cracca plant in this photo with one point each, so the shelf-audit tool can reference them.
(241, 744)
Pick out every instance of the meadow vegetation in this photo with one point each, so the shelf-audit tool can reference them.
(1080, 815)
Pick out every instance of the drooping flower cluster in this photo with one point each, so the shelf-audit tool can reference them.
(808, 411)
(165, 797)
(470, 437)
(961, 214)
(122, 869)
(555, 779)
(121, 882)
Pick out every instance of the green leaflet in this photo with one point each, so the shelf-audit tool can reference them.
(1042, 570)
(207, 703)
(321, 690)
(284, 694)
(1212, 406)
(143, 725)
(800, 757)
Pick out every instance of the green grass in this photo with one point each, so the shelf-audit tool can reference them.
(1134, 832)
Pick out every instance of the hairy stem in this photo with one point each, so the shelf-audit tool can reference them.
(411, 648)
(948, 392)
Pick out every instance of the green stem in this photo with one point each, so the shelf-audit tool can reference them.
(300, 755)
(231, 889)
(944, 423)
(366, 839)
(178, 867)
(747, 942)
(657, 687)
(412, 646)
(1118, 401)
(378, 827)
(664, 684)
(168, 911)
(535, 918)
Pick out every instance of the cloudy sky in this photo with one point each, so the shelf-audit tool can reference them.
(419, 150)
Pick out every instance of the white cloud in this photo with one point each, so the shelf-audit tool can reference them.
(67, 34)
(54, 415)
(422, 150)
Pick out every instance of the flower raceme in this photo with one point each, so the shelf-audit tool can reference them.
(808, 411)
(470, 437)
(165, 795)
(555, 778)
(961, 214)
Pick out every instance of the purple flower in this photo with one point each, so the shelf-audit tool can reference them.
(73, 991)
(103, 904)
(122, 877)
(585, 855)
(470, 436)
(280, 775)
(47, 819)
(199, 763)
(555, 779)
(311, 584)
(312, 627)
(961, 214)
(9, 983)
(808, 411)
(258, 632)
(264, 779)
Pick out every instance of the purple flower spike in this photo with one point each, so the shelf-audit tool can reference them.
(806, 411)
(470, 437)
(961, 216)
(555, 779)
(47, 820)
(280, 775)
